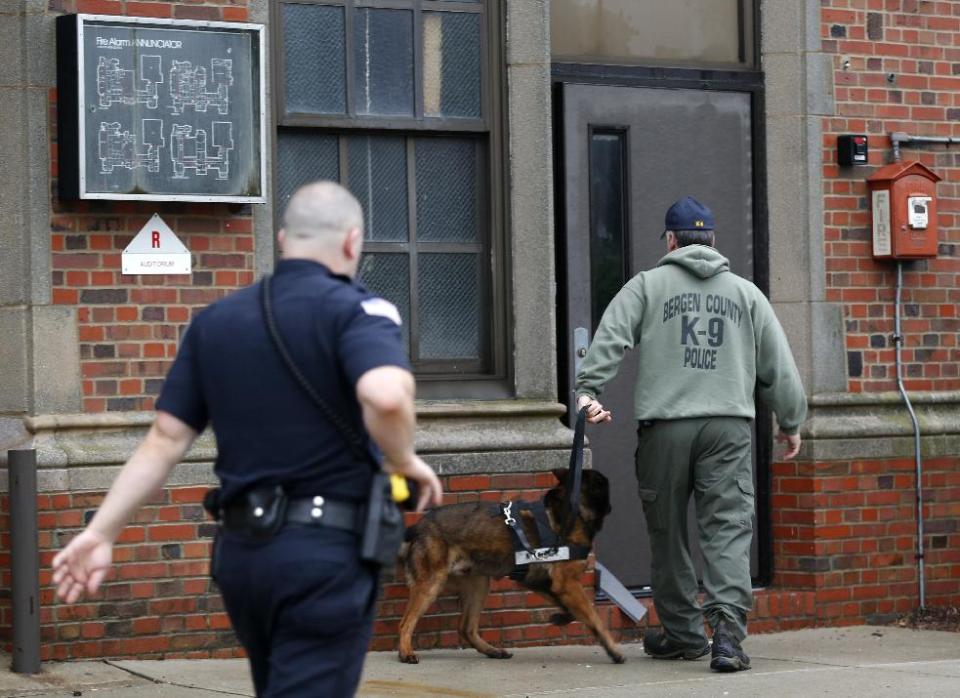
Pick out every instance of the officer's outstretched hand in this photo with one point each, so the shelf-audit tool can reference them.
(793, 444)
(595, 411)
(81, 566)
(428, 484)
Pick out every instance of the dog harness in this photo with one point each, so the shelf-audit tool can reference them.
(553, 547)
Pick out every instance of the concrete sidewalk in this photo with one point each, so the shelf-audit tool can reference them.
(859, 661)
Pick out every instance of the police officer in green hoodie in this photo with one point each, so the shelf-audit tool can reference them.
(708, 339)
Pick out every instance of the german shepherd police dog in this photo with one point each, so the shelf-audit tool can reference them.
(463, 545)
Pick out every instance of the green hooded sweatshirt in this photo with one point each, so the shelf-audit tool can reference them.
(707, 338)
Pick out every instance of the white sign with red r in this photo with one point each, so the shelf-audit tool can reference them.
(156, 250)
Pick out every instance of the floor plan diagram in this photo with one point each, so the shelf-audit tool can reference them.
(116, 85)
(196, 87)
(119, 148)
(200, 151)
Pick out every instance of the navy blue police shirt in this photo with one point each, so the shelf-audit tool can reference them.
(228, 373)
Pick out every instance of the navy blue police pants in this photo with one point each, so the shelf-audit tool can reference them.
(302, 606)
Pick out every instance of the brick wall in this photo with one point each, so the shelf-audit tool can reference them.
(847, 530)
(129, 326)
(897, 68)
(158, 600)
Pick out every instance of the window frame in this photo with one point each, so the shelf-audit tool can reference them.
(487, 377)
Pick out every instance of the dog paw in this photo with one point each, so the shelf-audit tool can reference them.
(618, 658)
(561, 618)
(500, 654)
(409, 658)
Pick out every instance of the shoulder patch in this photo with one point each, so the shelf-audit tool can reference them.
(383, 308)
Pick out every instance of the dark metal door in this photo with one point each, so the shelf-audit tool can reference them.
(628, 153)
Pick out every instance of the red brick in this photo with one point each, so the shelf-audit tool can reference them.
(100, 7)
(235, 14)
(193, 12)
(131, 386)
(172, 532)
(188, 494)
(468, 482)
(149, 9)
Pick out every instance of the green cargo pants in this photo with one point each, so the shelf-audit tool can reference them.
(711, 458)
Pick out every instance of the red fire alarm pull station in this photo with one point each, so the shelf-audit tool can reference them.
(904, 209)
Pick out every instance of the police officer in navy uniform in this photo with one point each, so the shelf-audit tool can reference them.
(301, 600)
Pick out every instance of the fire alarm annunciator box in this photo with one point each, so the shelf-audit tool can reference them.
(903, 198)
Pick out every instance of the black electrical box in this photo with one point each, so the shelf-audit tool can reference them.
(852, 150)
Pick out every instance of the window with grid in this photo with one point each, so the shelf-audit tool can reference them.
(392, 98)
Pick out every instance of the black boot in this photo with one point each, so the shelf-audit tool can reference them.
(727, 655)
(659, 646)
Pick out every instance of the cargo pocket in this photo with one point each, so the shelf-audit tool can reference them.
(745, 485)
(651, 509)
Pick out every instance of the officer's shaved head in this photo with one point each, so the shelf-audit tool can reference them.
(324, 222)
(320, 210)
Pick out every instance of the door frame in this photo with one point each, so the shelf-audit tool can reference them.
(750, 82)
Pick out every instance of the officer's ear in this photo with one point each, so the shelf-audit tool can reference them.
(281, 238)
(353, 243)
(671, 241)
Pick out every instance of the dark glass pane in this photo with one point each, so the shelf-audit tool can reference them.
(383, 51)
(448, 288)
(313, 59)
(446, 171)
(377, 176)
(451, 64)
(607, 219)
(388, 276)
(302, 157)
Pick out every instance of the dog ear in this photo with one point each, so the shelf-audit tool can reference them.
(560, 474)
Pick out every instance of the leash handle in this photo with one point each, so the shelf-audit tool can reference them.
(574, 474)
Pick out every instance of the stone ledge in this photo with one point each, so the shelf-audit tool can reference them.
(98, 478)
(844, 426)
(887, 398)
(464, 437)
(426, 409)
(855, 415)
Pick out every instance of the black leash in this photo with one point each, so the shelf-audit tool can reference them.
(575, 474)
(554, 547)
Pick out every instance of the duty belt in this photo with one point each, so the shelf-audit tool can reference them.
(306, 511)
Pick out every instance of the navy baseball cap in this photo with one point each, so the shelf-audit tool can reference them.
(688, 214)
